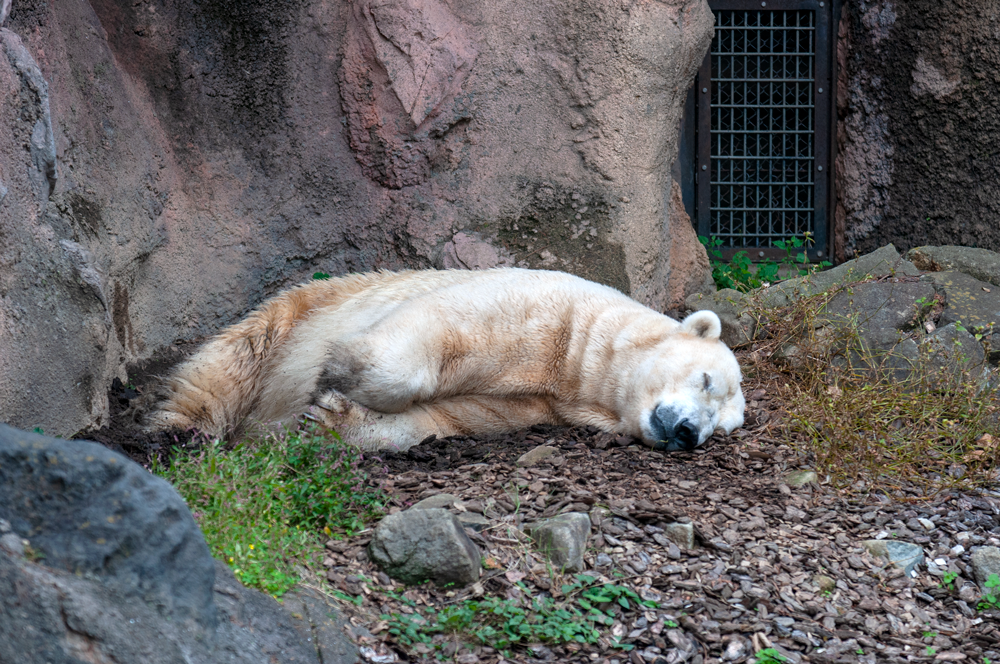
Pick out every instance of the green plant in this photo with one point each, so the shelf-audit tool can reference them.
(502, 623)
(991, 598)
(769, 656)
(263, 504)
(743, 275)
(320, 275)
(930, 635)
(930, 650)
(948, 579)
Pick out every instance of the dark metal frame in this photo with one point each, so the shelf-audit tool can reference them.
(696, 140)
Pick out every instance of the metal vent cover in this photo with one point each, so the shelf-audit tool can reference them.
(763, 112)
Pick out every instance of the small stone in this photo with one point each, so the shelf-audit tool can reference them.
(417, 545)
(903, 555)
(4, 526)
(968, 593)
(825, 583)
(538, 454)
(735, 649)
(682, 534)
(563, 539)
(957, 550)
(801, 478)
(12, 544)
(603, 560)
(927, 524)
(437, 501)
(985, 561)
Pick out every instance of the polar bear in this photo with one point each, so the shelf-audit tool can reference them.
(390, 359)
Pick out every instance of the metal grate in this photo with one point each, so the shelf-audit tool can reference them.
(763, 71)
(762, 144)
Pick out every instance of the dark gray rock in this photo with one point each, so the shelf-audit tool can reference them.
(884, 261)
(116, 570)
(562, 539)
(871, 322)
(980, 264)
(425, 544)
(50, 615)
(949, 351)
(92, 512)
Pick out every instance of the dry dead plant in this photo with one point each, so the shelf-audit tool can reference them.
(877, 419)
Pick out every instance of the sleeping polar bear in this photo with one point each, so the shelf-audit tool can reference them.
(389, 359)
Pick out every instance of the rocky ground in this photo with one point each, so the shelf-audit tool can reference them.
(775, 565)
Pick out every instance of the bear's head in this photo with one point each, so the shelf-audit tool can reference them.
(688, 387)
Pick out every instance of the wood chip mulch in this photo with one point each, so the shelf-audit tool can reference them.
(755, 581)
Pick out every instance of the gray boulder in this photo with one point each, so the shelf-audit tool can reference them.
(884, 261)
(116, 570)
(425, 544)
(980, 264)
(562, 539)
(92, 512)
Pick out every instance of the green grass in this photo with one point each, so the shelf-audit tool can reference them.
(266, 505)
(504, 623)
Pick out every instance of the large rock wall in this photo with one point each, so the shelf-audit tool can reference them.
(919, 124)
(164, 166)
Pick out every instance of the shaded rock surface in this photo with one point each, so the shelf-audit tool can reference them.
(981, 264)
(116, 570)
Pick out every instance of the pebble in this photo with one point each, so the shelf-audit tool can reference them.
(799, 478)
(536, 455)
(603, 560)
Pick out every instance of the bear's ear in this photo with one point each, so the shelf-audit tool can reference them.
(703, 324)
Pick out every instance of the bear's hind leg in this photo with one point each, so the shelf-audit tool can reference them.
(371, 429)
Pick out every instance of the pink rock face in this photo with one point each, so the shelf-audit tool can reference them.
(403, 61)
(464, 252)
(424, 48)
(203, 156)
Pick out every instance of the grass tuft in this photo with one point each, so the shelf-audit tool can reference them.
(877, 419)
(265, 505)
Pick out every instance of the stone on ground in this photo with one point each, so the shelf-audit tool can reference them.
(681, 534)
(562, 539)
(425, 544)
(904, 555)
(980, 264)
(440, 500)
(536, 455)
(985, 561)
(798, 478)
(117, 570)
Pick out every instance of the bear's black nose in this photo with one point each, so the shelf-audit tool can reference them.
(686, 434)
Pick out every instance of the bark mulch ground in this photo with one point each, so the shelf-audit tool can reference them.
(776, 566)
